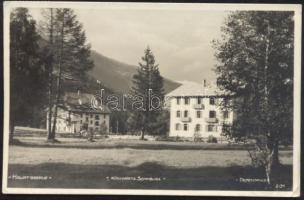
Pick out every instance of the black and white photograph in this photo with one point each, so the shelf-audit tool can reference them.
(152, 98)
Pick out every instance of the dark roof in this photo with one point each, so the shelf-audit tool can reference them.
(82, 102)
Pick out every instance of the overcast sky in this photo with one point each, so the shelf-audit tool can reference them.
(179, 39)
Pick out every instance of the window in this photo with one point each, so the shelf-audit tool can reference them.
(91, 122)
(212, 114)
(211, 101)
(185, 127)
(178, 113)
(81, 115)
(177, 126)
(186, 113)
(178, 100)
(211, 128)
(198, 114)
(96, 123)
(187, 100)
(226, 101)
(97, 117)
(225, 114)
(80, 121)
(199, 100)
(91, 115)
(87, 119)
(197, 127)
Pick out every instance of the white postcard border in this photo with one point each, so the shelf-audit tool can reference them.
(297, 8)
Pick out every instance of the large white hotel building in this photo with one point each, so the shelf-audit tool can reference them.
(195, 111)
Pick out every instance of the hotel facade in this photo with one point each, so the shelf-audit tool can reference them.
(195, 111)
(77, 114)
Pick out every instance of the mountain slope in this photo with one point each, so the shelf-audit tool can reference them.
(117, 75)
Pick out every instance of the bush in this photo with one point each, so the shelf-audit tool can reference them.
(257, 158)
(172, 139)
(211, 139)
(197, 138)
(162, 138)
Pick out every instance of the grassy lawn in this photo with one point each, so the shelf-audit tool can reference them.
(129, 143)
(128, 167)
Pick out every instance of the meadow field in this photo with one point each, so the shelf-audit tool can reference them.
(178, 166)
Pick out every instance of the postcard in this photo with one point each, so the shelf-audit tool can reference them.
(186, 99)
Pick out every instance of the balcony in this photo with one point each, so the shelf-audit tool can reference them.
(198, 106)
(186, 119)
(211, 120)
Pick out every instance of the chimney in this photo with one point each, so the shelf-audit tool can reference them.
(205, 83)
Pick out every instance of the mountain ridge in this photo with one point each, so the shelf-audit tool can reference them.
(118, 75)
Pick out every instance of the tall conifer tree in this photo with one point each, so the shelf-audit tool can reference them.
(26, 71)
(70, 56)
(147, 82)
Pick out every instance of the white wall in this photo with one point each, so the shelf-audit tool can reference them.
(194, 120)
(78, 121)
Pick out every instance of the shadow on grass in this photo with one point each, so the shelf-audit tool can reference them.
(62, 175)
(15, 141)
(147, 145)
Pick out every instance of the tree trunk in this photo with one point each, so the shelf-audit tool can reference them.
(276, 160)
(50, 135)
(53, 132)
(142, 135)
(269, 167)
(58, 81)
(269, 163)
(11, 131)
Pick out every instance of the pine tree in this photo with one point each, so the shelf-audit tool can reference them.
(147, 79)
(70, 56)
(255, 65)
(48, 32)
(26, 71)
